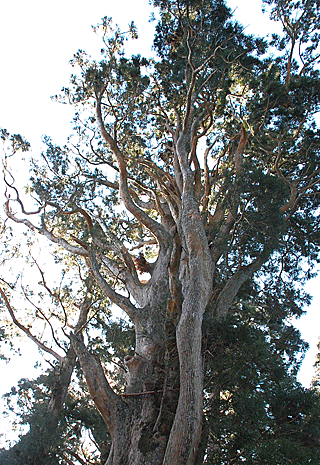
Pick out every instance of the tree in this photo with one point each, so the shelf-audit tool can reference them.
(186, 196)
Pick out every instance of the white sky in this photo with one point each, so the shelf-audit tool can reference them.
(37, 40)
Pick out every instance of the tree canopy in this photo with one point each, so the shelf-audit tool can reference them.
(188, 197)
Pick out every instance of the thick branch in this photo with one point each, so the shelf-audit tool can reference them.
(123, 274)
(104, 397)
(120, 300)
(230, 290)
(207, 185)
(239, 152)
(156, 229)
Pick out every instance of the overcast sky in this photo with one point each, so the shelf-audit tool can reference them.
(37, 40)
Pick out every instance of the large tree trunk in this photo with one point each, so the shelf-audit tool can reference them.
(196, 271)
(139, 420)
(158, 420)
(132, 417)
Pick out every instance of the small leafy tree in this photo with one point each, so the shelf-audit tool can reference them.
(187, 196)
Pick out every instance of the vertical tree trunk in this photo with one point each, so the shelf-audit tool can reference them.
(186, 431)
(196, 271)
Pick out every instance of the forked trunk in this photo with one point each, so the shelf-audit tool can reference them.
(158, 419)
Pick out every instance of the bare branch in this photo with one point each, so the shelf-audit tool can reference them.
(26, 330)
(44, 232)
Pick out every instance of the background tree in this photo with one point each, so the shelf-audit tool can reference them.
(187, 196)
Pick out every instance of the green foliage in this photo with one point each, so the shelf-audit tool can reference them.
(261, 415)
(47, 443)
